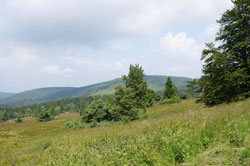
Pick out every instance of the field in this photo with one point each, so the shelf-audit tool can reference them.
(179, 134)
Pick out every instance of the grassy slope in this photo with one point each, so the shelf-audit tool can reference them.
(185, 133)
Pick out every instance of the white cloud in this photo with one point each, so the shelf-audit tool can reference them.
(121, 45)
(180, 47)
(93, 22)
(43, 42)
(57, 70)
(209, 34)
(179, 55)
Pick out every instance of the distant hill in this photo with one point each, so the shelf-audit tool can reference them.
(5, 95)
(46, 94)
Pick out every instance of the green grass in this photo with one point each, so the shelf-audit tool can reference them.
(177, 134)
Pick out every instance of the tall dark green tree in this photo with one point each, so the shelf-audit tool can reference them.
(135, 81)
(227, 67)
(170, 89)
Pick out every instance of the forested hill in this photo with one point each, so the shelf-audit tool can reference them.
(5, 95)
(46, 94)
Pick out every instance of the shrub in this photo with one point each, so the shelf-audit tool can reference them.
(19, 120)
(44, 117)
(97, 111)
(171, 100)
(74, 124)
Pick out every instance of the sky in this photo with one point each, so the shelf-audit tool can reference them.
(58, 43)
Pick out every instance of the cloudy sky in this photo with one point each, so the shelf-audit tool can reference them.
(47, 43)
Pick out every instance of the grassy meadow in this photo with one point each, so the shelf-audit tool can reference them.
(179, 134)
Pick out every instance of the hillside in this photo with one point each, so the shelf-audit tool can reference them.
(46, 94)
(178, 134)
(5, 95)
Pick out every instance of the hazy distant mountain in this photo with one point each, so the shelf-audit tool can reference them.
(5, 95)
(46, 94)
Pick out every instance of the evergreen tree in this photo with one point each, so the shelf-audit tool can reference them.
(170, 89)
(96, 112)
(227, 67)
(124, 106)
(44, 116)
(135, 81)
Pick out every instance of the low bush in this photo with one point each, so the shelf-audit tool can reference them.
(19, 120)
(171, 100)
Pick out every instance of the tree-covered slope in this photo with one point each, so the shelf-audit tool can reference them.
(5, 95)
(46, 94)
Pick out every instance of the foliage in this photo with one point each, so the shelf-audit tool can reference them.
(194, 88)
(44, 116)
(96, 112)
(47, 94)
(19, 120)
(54, 108)
(174, 99)
(124, 105)
(135, 81)
(83, 107)
(227, 67)
(179, 134)
(170, 89)
(184, 95)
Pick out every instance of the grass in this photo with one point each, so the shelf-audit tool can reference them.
(177, 134)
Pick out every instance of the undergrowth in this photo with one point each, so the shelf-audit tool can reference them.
(178, 134)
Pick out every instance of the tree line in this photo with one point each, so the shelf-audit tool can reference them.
(125, 104)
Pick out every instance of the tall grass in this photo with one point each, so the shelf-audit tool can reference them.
(178, 134)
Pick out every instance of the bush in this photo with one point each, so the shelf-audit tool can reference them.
(97, 111)
(184, 95)
(74, 124)
(44, 117)
(171, 100)
(18, 120)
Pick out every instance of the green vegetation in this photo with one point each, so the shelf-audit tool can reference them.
(177, 134)
(170, 93)
(169, 134)
(19, 120)
(53, 107)
(170, 89)
(124, 105)
(44, 116)
(156, 83)
(227, 66)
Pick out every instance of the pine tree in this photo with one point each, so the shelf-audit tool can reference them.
(227, 67)
(170, 89)
(135, 81)
(44, 116)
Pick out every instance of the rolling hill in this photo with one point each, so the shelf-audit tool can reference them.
(52, 93)
(5, 95)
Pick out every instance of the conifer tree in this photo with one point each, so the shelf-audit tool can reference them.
(226, 73)
(135, 81)
(170, 89)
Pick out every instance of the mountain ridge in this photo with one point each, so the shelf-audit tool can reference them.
(155, 82)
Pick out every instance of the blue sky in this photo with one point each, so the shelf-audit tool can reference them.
(48, 43)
